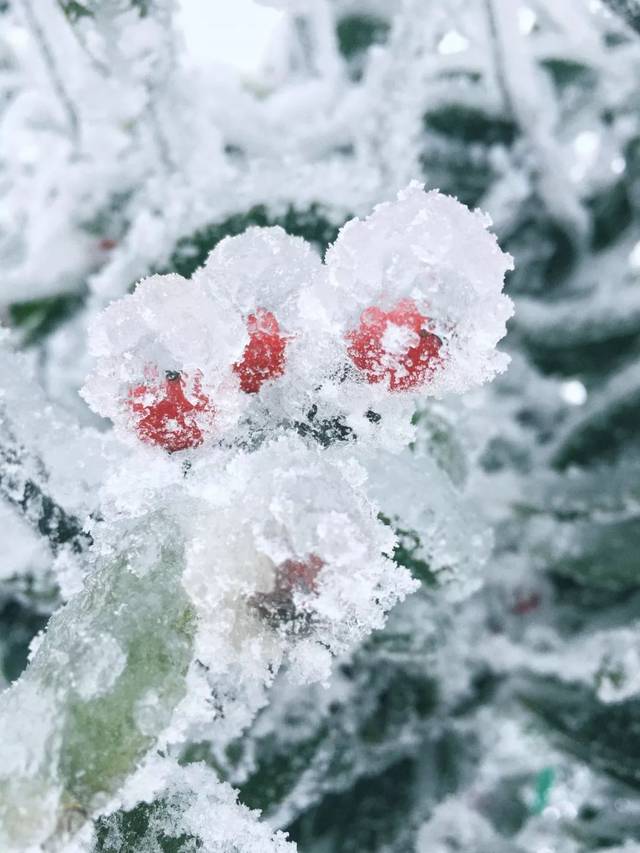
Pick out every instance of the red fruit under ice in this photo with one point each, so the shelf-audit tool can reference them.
(395, 346)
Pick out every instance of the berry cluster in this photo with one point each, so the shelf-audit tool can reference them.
(392, 346)
(332, 348)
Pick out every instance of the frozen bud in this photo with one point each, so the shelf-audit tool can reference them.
(264, 356)
(264, 272)
(164, 363)
(263, 268)
(416, 288)
(303, 558)
(171, 412)
(395, 347)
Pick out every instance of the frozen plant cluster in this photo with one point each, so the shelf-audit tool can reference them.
(498, 722)
(241, 531)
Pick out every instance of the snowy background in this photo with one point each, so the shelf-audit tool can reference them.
(363, 603)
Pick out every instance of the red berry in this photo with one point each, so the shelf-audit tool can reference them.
(298, 574)
(264, 355)
(406, 362)
(278, 607)
(526, 603)
(166, 417)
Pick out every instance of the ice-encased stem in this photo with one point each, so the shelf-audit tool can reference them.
(100, 688)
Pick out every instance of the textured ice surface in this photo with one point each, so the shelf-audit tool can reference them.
(305, 510)
(424, 250)
(247, 524)
(429, 248)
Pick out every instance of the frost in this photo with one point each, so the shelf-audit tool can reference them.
(242, 527)
(98, 667)
(457, 827)
(319, 575)
(618, 677)
(425, 260)
(186, 798)
(262, 268)
(294, 445)
(168, 325)
(429, 248)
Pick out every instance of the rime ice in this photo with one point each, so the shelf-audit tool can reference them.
(245, 531)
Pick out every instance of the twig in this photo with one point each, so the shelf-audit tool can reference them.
(56, 79)
(627, 9)
(101, 67)
(23, 491)
(158, 133)
(499, 60)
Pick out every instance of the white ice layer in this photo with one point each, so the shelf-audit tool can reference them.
(244, 528)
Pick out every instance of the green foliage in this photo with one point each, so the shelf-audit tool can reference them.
(604, 735)
(457, 148)
(141, 829)
(470, 125)
(142, 6)
(602, 434)
(158, 649)
(313, 224)
(380, 811)
(611, 214)
(628, 9)
(38, 318)
(568, 73)
(75, 10)
(544, 784)
(545, 250)
(371, 815)
(20, 620)
(407, 550)
(147, 650)
(357, 33)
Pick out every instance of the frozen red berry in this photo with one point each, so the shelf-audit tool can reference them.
(264, 356)
(279, 607)
(525, 602)
(395, 346)
(299, 574)
(172, 412)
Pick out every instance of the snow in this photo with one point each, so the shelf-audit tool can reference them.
(239, 593)
(262, 585)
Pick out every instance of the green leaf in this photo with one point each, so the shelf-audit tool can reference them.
(606, 736)
(407, 550)
(567, 73)
(544, 250)
(457, 149)
(137, 830)
(470, 125)
(357, 33)
(611, 213)
(37, 318)
(23, 613)
(100, 727)
(543, 785)
(608, 425)
(74, 10)
(313, 224)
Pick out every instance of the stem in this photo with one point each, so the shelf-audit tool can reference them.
(56, 79)
(158, 133)
(98, 64)
(23, 491)
(627, 9)
(498, 59)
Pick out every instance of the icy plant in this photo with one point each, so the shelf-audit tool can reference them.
(244, 529)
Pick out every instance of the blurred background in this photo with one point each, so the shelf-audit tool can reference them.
(135, 134)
